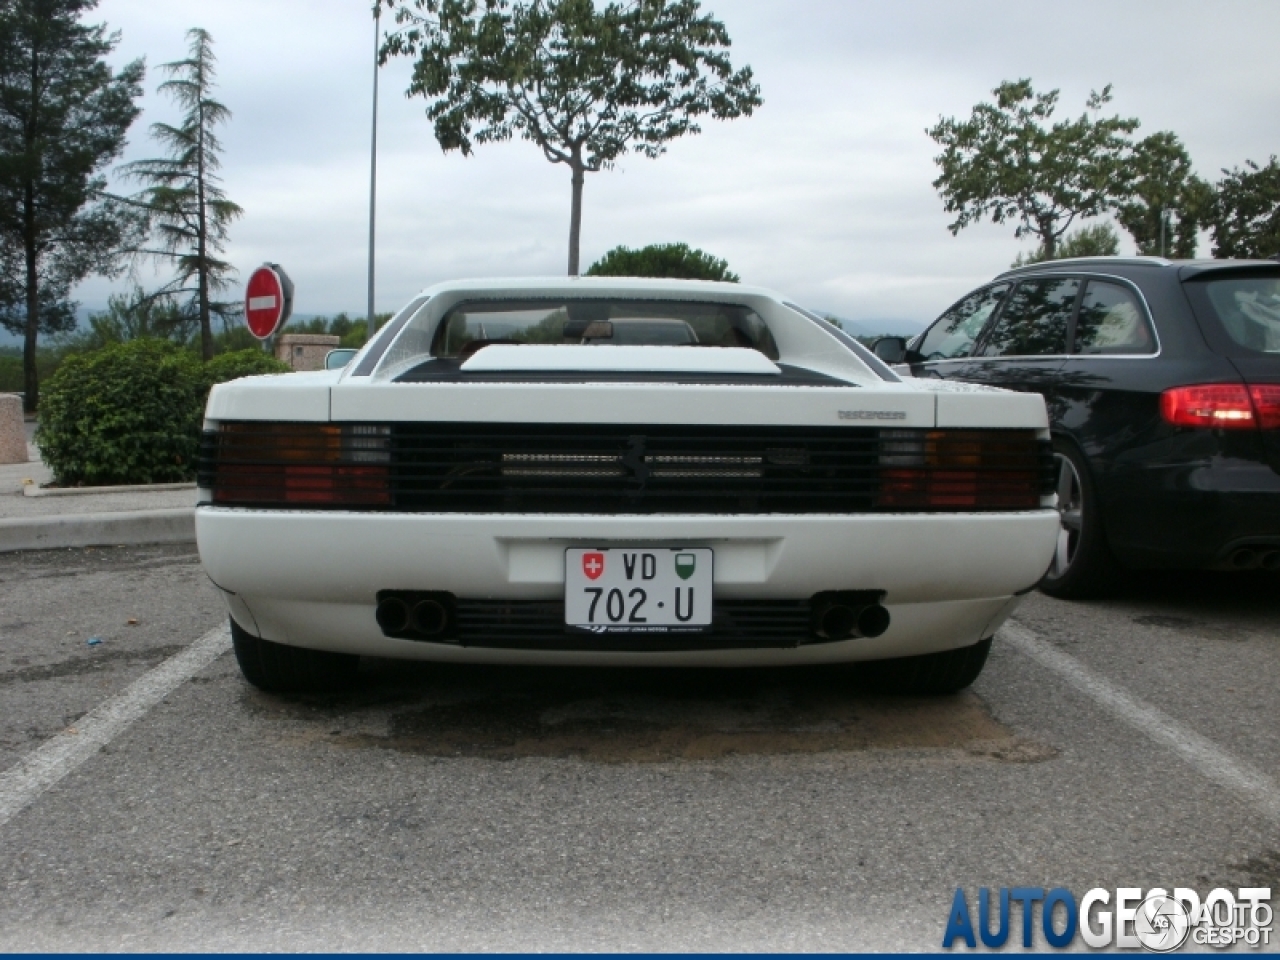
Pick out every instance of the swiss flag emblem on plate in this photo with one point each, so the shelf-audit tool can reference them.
(593, 565)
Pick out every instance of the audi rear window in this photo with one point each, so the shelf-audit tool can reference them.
(1246, 309)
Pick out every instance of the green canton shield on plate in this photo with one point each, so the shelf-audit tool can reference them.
(685, 564)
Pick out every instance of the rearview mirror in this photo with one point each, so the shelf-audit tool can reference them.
(890, 349)
(598, 330)
(337, 359)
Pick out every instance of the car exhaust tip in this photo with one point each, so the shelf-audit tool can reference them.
(837, 622)
(430, 617)
(1270, 561)
(844, 615)
(392, 615)
(873, 620)
(1245, 558)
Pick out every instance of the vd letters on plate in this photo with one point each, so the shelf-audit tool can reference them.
(638, 590)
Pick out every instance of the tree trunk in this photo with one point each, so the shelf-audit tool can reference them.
(31, 282)
(1048, 240)
(30, 375)
(202, 226)
(575, 215)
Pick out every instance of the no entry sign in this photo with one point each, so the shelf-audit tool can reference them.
(268, 300)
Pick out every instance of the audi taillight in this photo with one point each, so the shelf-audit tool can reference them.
(295, 464)
(964, 470)
(1225, 406)
(1266, 404)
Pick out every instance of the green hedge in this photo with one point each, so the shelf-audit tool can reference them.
(241, 363)
(131, 412)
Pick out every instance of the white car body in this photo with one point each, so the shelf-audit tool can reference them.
(311, 578)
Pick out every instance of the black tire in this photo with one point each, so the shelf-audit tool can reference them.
(279, 668)
(930, 675)
(1083, 565)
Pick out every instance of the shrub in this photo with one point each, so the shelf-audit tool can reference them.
(241, 363)
(662, 260)
(131, 413)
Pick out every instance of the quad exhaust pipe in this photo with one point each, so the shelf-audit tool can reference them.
(415, 614)
(1250, 558)
(844, 615)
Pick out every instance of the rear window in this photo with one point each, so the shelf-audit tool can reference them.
(1247, 309)
(469, 326)
(1112, 322)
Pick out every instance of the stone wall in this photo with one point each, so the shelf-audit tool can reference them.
(304, 351)
(13, 438)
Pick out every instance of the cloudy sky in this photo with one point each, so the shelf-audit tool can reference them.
(824, 194)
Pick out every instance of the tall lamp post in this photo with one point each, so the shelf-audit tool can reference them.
(373, 163)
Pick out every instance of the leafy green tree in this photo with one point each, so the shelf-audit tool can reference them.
(138, 315)
(1245, 214)
(236, 338)
(1099, 240)
(350, 333)
(190, 211)
(662, 260)
(64, 114)
(586, 83)
(1167, 204)
(1009, 161)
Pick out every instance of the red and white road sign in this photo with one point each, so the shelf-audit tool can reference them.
(267, 300)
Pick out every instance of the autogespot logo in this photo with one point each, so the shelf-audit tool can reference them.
(1156, 920)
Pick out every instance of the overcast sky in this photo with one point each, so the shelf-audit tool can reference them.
(824, 194)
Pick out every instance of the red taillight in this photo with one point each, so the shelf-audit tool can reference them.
(1266, 403)
(961, 470)
(266, 464)
(1223, 406)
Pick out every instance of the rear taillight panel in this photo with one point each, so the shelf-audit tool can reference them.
(1266, 404)
(583, 469)
(1223, 406)
(297, 464)
(964, 470)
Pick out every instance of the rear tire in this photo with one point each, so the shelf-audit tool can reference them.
(279, 668)
(929, 675)
(1083, 565)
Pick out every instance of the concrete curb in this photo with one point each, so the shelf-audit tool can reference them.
(98, 529)
(34, 490)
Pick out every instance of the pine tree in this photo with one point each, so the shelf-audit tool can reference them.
(64, 115)
(190, 213)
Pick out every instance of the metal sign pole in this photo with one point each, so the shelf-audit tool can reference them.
(373, 162)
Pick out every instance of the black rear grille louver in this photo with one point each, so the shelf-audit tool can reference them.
(539, 625)
(630, 469)
(622, 469)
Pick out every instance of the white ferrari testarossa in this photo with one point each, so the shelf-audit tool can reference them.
(620, 472)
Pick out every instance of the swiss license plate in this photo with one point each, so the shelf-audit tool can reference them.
(638, 590)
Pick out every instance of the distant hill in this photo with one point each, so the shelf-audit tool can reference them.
(8, 339)
(877, 328)
(858, 328)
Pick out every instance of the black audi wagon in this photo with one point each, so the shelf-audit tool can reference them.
(1162, 381)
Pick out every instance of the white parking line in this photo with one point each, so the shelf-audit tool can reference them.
(39, 770)
(1203, 754)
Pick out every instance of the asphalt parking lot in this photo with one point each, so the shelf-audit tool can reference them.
(1126, 742)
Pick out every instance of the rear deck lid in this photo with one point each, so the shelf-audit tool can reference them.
(620, 359)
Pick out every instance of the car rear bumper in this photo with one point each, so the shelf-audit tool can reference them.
(311, 578)
(1193, 515)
